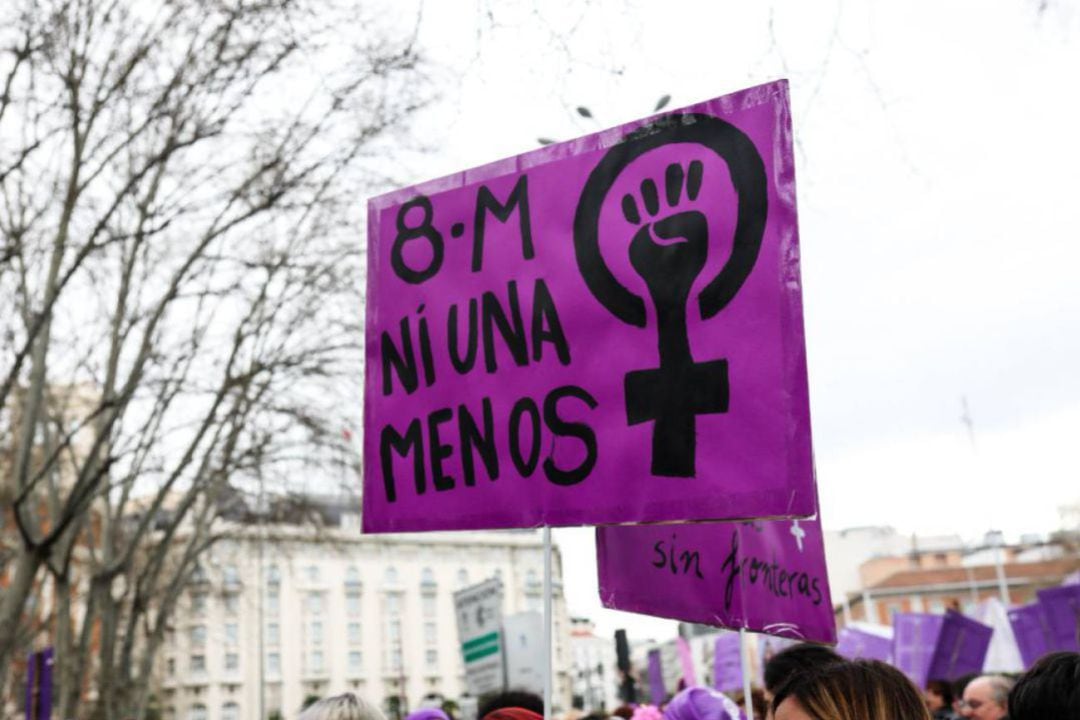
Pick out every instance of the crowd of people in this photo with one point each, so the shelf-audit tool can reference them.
(812, 682)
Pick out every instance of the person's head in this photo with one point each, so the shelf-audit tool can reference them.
(939, 695)
(512, 700)
(855, 690)
(986, 698)
(431, 713)
(701, 703)
(796, 659)
(342, 707)
(958, 687)
(1050, 689)
(623, 711)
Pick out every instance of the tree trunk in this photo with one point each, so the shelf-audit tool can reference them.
(26, 567)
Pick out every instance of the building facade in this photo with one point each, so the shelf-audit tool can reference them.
(279, 615)
(595, 677)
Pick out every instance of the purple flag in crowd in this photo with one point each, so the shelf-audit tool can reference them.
(727, 663)
(855, 643)
(540, 353)
(1062, 608)
(1031, 630)
(656, 678)
(686, 659)
(914, 639)
(960, 648)
(765, 576)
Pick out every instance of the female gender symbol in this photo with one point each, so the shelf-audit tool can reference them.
(680, 389)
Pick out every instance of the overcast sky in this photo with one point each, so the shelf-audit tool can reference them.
(937, 158)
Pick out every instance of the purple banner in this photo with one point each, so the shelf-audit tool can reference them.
(854, 644)
(656, 678)
(914, 639)
(1031, 630)
(765, 576)
(608, 330)
(961, 648)
(727, 663)
(1062, 608)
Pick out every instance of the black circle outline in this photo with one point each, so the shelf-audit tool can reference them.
(751, 186)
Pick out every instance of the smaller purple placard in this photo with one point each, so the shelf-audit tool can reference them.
(914, 639)
(960, 649)
(686, 658)
(1062, 608)
(855, 644)
(727, 663)
(767, 576)
(1032, 631)
(656, 678)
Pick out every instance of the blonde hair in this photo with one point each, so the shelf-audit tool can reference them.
(858, 690)
(342, 707)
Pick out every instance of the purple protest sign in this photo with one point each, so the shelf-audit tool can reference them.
(914, 640)
(1031, 630)
(1062, 608)
(656, 678)
(686, 660)
(765, 576)
(603, 331)
(961, 647)
(854, 644)
(39, 685)
(727, 663)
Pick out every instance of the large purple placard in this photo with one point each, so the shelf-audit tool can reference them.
(765, 576)
(1062, 608)
(608, 330)
(1031, 630)
(854, 644)
(960, 649)
(915, 637)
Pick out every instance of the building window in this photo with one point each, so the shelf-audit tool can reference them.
(198, 604)
(316, 633)
(232, 661)
(354, 633)
(462, 577)
(273, 575)
(197, 635)
(393, 604)
(197, 712)
(273, 664)
(352, 604)
(395, 659)
(356, 661)
(230, 711)
(394, 629)
(231, 577)
(273, 604)
(391, 576)
(312, 572)
(427, 579)
(198, 663)
(232, 634)
(316, 661)
(314, 603)
(198, 575)
(232, 605)
(432, 658)
(429, 605)
(273, 634)
(352, 578)
(170, 667)
(430, 636)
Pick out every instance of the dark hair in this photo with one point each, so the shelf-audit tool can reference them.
(942, 688)
(960, 684)
(787, 663)
(855, 690)
(623, 711)
(509, 699)
(1050, 689)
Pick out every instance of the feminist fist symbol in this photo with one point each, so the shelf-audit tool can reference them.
(669, 253)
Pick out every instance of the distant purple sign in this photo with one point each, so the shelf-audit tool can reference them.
(608, 330)
(39, 686)
(727, 663)
(1032, 631)
(1062, 608)
(961, 648)
(765, 576)
(854, 644)
(914, 639)
(656, 678)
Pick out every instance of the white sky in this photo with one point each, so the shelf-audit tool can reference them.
(938, 152)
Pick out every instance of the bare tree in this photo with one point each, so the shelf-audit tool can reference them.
(180, 269)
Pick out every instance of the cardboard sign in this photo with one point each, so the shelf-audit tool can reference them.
(727, 663)
(960, 649)
(608, 330)
(1062, 608)
(855, 644)
(1031, 630)
(479, 622)
(523, 635)
(657, 688)
(915, 636)
(765, 576)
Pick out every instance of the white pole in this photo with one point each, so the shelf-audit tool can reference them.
(547, 623)
(747, 704)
